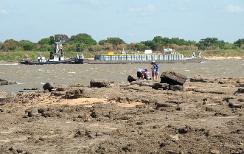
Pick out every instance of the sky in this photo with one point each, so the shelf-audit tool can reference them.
(131, 20)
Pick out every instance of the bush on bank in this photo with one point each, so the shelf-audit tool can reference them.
(11, 49)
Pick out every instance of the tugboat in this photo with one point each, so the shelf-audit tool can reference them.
(56, 57)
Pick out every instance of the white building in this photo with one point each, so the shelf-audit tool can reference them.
(148, 52)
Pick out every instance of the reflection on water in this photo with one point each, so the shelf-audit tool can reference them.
(36, 76)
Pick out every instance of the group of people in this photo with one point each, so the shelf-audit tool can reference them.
(144, 73)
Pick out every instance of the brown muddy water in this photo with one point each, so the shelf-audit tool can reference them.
(36, 76)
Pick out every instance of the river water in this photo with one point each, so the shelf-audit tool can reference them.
(64, 74)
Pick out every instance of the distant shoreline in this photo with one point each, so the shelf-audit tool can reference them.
(224, 58)
(91, 59)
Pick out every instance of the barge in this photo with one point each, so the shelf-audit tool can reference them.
(145, 58)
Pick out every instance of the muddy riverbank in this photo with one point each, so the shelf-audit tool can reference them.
(206, 117)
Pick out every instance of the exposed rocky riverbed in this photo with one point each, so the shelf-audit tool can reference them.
(207, 116)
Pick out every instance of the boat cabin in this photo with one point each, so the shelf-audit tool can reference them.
(57, 54)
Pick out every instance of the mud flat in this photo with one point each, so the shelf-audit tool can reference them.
(207, 116)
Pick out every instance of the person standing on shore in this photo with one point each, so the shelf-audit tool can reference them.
(155, 70)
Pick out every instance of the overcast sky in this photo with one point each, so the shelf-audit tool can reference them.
(132, 20)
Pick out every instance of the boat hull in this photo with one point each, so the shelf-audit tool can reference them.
(193, 60)
(26, 62)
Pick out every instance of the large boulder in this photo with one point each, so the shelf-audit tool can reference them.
(48, 86)
(100, 83)
(131, 78)
(173, 78)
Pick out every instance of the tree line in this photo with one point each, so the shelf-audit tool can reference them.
(85, 43)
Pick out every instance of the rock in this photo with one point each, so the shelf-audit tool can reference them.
(41, 110)
(73, 94)
(31, 112)
(241, 99)
(30, 89)
(11, 82)
(176, 87)
(5, 82)
(94, 114)
(198, 79)
(79, 133)
(163, 86)
(227, 98)
(131, 78)
(235, 103)
(178, 108)
(127, 148)
(173, 78)
(183, 130)
(100, 83)
(48, 86)
(162, 105)
(240, 82)
(213, 151)
(90, 134)
(142, 83)
(209, 91)
(81, 115)
(58, 93)
(239, 91)
(60, 89)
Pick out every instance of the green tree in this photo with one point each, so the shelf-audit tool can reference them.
(210, 43)
(83, 39)
(10, 45)
(140, 47)
(52, 40)
(159, 40)
(239, 43)
(26, 45)
(114, 41)
(151, 44)
(61, 37)
(1, 44)
(46, 44)
(45, 41)
(102, 42)
(81, 42)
